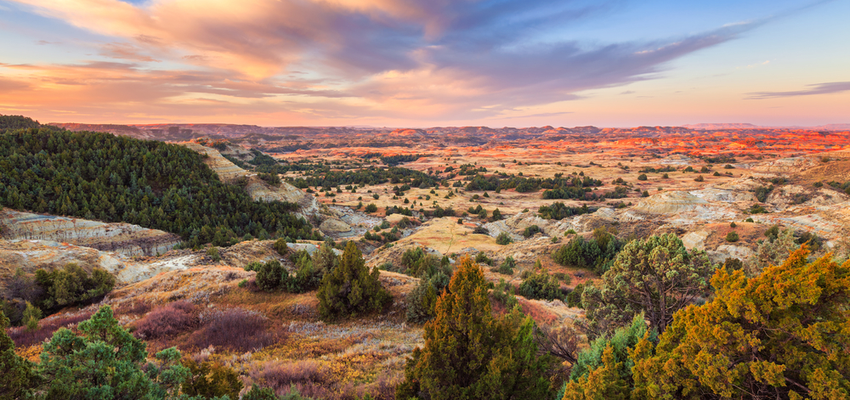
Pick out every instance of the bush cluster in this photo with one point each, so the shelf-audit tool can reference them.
(596, 253)
(166, 321)
(541, 285)
(504, 239)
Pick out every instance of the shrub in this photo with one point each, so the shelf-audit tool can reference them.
(405, 223)
(497, 215)
(210, 380)
(482, 258)
(233, 329)
(641, 177)
(269, 276)
(253, 266)
(212, 253)
(504, 294)
(19, 375)
(596, 253)
(481, 230)
(757, 209)
(280, 247)
(31, 316)
(604, 370)
(72, 285)
(699, 178)
(24, 337)
(541, 286)
(574, 297)
(507, 266)
(812, 240)
(733, 225)
(531, 231)
(282, 375)
(371, 208)
(421, 301)
(504, 239)
(732, 237)
(166, 321)
(350, 289)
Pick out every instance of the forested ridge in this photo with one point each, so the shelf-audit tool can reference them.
(157, 185)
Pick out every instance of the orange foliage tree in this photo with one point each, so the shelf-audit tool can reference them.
(781, 335)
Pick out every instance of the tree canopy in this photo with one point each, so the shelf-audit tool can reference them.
(782, 334)
(656, 275)
(470, 354)
(120, 179)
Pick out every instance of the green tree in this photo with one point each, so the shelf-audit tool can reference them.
(280, 247)
(18, 376)
(106, 362)
(504, 239)
(350, 289)
(657, 275)
(31, 316)
(421, 301)
(325, 259)
(469, 354)
(72, 285)
(772, 251)
(270, 275)
(782, 334)
(507, 266)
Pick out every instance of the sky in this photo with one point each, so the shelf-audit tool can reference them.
(424, 63)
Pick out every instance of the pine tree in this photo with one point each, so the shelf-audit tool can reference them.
(18, 376)
(469, 354)
(31, 316)
(350, 289)
(106, 363)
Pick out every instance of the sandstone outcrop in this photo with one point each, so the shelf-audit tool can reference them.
(126, 239)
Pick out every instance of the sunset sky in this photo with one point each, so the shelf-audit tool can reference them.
(421, 63)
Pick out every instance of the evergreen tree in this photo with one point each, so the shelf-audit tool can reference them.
(106, 363)
(17, 376)
(270, 275)
(657, 275)
(469, 354)
(350, 289)
(781, 335)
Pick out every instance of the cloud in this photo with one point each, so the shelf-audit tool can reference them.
(420, 59)
(125, 51)
(11, 85)
(540, 115)
(815, 89)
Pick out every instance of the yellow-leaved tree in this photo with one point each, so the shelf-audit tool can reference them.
(781, 335)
